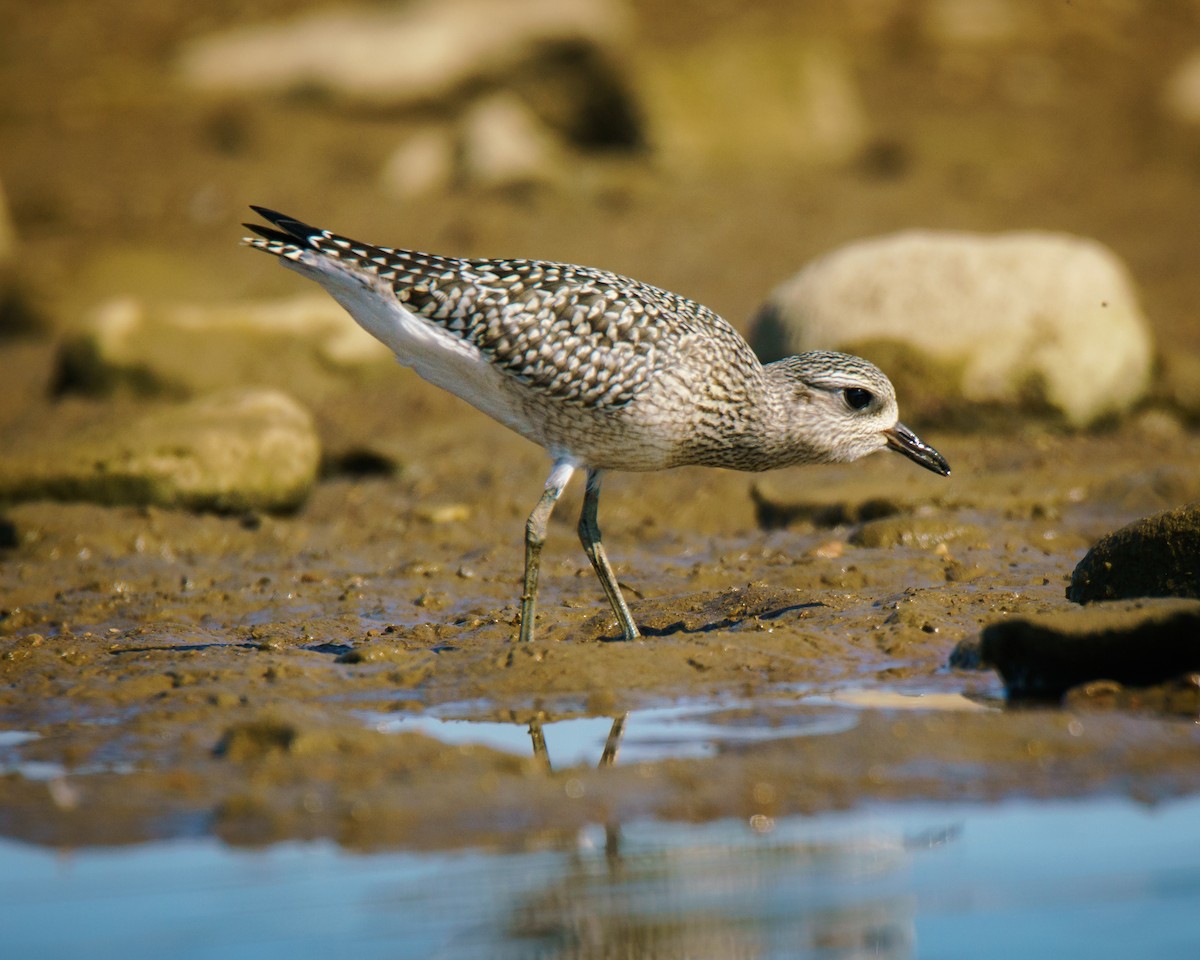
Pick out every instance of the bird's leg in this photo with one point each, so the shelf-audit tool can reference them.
(535, 537)
(538, 738)
(613, 743)
(589, 535)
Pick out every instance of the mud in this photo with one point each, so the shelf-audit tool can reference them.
(200, 672)
(213, 672)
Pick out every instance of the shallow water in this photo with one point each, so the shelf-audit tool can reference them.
(1097, 879)
(688, 730)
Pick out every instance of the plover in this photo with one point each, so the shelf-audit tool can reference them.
(603, 371)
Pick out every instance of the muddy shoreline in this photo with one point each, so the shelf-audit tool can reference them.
(216, 673)
(175, 672)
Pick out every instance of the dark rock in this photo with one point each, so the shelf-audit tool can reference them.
(1138, 643)
(256, 739)
(967, 655)
(1157, 556)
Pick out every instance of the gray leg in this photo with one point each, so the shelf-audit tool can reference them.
(589, 535)
(613, 743)
(535, 537)
(538, 737)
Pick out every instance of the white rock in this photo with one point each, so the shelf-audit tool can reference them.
(395, 54)
(231, 451)
(1006, 313)
(423, 164)
(188, 349)
(505, 145)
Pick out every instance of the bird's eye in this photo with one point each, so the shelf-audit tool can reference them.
(857, 398)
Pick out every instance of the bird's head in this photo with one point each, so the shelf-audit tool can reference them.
(847, 408)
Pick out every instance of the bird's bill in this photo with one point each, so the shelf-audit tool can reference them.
(904, 441)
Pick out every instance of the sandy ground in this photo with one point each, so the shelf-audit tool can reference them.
(198, 672)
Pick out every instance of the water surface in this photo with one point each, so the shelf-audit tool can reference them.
(1056, 880)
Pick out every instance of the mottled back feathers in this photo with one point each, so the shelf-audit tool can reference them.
(578, 334)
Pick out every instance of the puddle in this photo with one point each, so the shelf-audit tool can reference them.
(1095, 879)
(682, 731)
(649, 735)
(12, 763)
(14, 738)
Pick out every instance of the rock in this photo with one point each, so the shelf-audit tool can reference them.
(967, 655)
(1156, 556)
(8, 234)
(1181, 95)
(423, 164)
(499, 143)
(780, 102)
(274, 736)
(970, 22)
(234, 451)
(1017, 320)
(505, 146)
(511, 83)
(190, 349)
(410, 54)
(256, 739)
(921, 532)
(1136, 643)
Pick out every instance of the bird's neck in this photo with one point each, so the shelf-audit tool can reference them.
(758, 431)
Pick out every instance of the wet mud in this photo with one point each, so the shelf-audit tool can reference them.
(169, 672)
(202, 672)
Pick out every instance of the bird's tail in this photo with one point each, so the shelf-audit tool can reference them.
(291, 238)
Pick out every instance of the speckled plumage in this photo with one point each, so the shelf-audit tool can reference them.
(604, 371)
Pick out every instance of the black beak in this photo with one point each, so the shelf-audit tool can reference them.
(904, 441)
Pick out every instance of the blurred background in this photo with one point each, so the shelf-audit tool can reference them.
(709, 146)
(713, 148)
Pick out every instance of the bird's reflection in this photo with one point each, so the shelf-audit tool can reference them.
(723, 894)
(608, 757)
(736, 894)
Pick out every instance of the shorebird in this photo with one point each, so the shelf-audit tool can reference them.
(603, 371)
